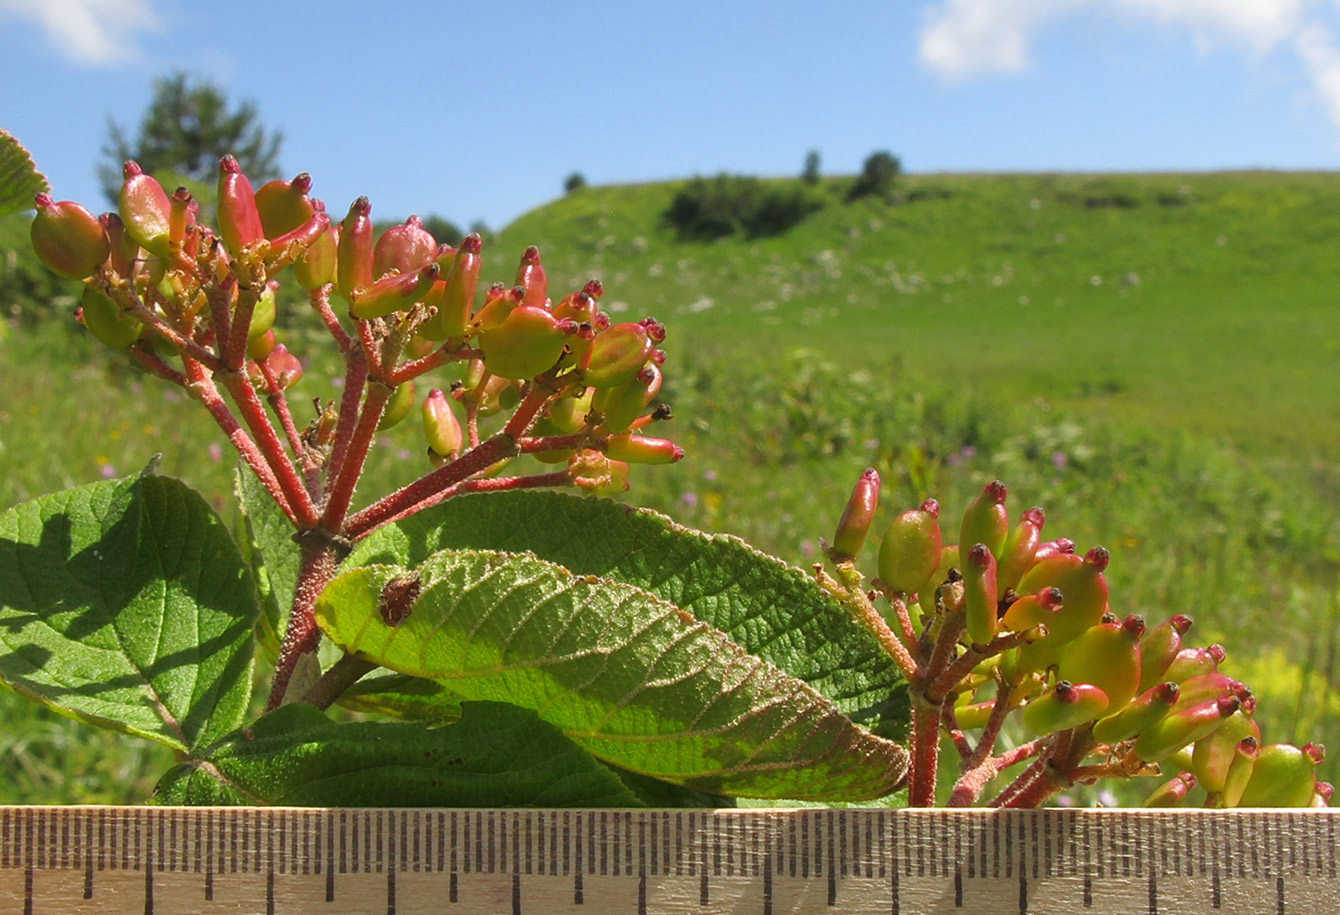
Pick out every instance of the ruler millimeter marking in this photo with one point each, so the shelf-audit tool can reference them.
(147, 860)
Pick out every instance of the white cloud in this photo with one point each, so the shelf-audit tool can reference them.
(966, 37)
(91, 32)
(1262, 24)
(1316, 47)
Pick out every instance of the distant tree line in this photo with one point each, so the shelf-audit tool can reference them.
(709, 208)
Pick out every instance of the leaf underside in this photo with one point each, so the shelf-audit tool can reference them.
(498, 755)
(127, 604)
(632, 678)
(20, 180)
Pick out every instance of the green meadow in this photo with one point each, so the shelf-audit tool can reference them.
(1154, 359)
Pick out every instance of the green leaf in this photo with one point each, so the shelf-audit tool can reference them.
(273, 554)
(769, 609)
(497, 756)
(399, 696)
(416, 699)
(127, 604)
(632, 678)
(20, 180)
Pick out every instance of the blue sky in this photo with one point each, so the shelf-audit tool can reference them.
(479, 111)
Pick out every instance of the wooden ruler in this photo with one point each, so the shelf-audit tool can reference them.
(146, 860)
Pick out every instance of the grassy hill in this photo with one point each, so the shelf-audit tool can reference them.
(1155, 359)
(1206, 301)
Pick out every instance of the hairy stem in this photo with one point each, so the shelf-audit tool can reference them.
(428, 487)
(320, 557)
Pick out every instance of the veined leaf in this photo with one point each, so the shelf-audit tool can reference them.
(632, 678)
(20, 180)
(272, 553)
(127, 604)
(769, 609)
(428, 701)
(498, 755)
(400, 696)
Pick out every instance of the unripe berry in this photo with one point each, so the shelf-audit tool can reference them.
(1017, 556)
(526, 344)
(1108, 656)
(1159, 646)
(909, 553)
(263, 315)
(69, 240)
(1207, 686)
(403, 248)
(107, 322)
(316, 267)
(440, 425)
(285, 365)
(1179, 729)
(239, 220)
(857, 515)
(397, 406)
(530, 277)
(124, 249)
(928, 591)
(1032, 610)
(1085, 590)
(1283, 776)
(623, 404)
(639, 449)
(1240, 770)
(260, 347)
(1213, 755)
(457, 301)
(1172, 792)
(569, 413)
(499, 302)
(392, 292)
(616, 355)
(353, 261)
(1191, 662)
(1138, 715)
(284, 205)
(985, 520)
(145, 210)
(979, 594)
(1066, 705)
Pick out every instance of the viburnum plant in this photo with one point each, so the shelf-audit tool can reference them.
(509, 643)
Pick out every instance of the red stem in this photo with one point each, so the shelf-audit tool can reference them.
(279, 403)
(235, 355)
(253, 414)
(202, 388)
(427, 487)
(154, 364)
(530, 445)
(408, 371)
(925, 752)
(301, 635)
(355, 380)
(320, 299)
(351, 466)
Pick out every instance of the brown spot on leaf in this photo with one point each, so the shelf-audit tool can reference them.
(397, 598)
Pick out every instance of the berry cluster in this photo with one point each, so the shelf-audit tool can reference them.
(196, 306)
(1005, 622)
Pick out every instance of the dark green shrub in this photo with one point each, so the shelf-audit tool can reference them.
(574, 182)
(878, 174)
(710, 208)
